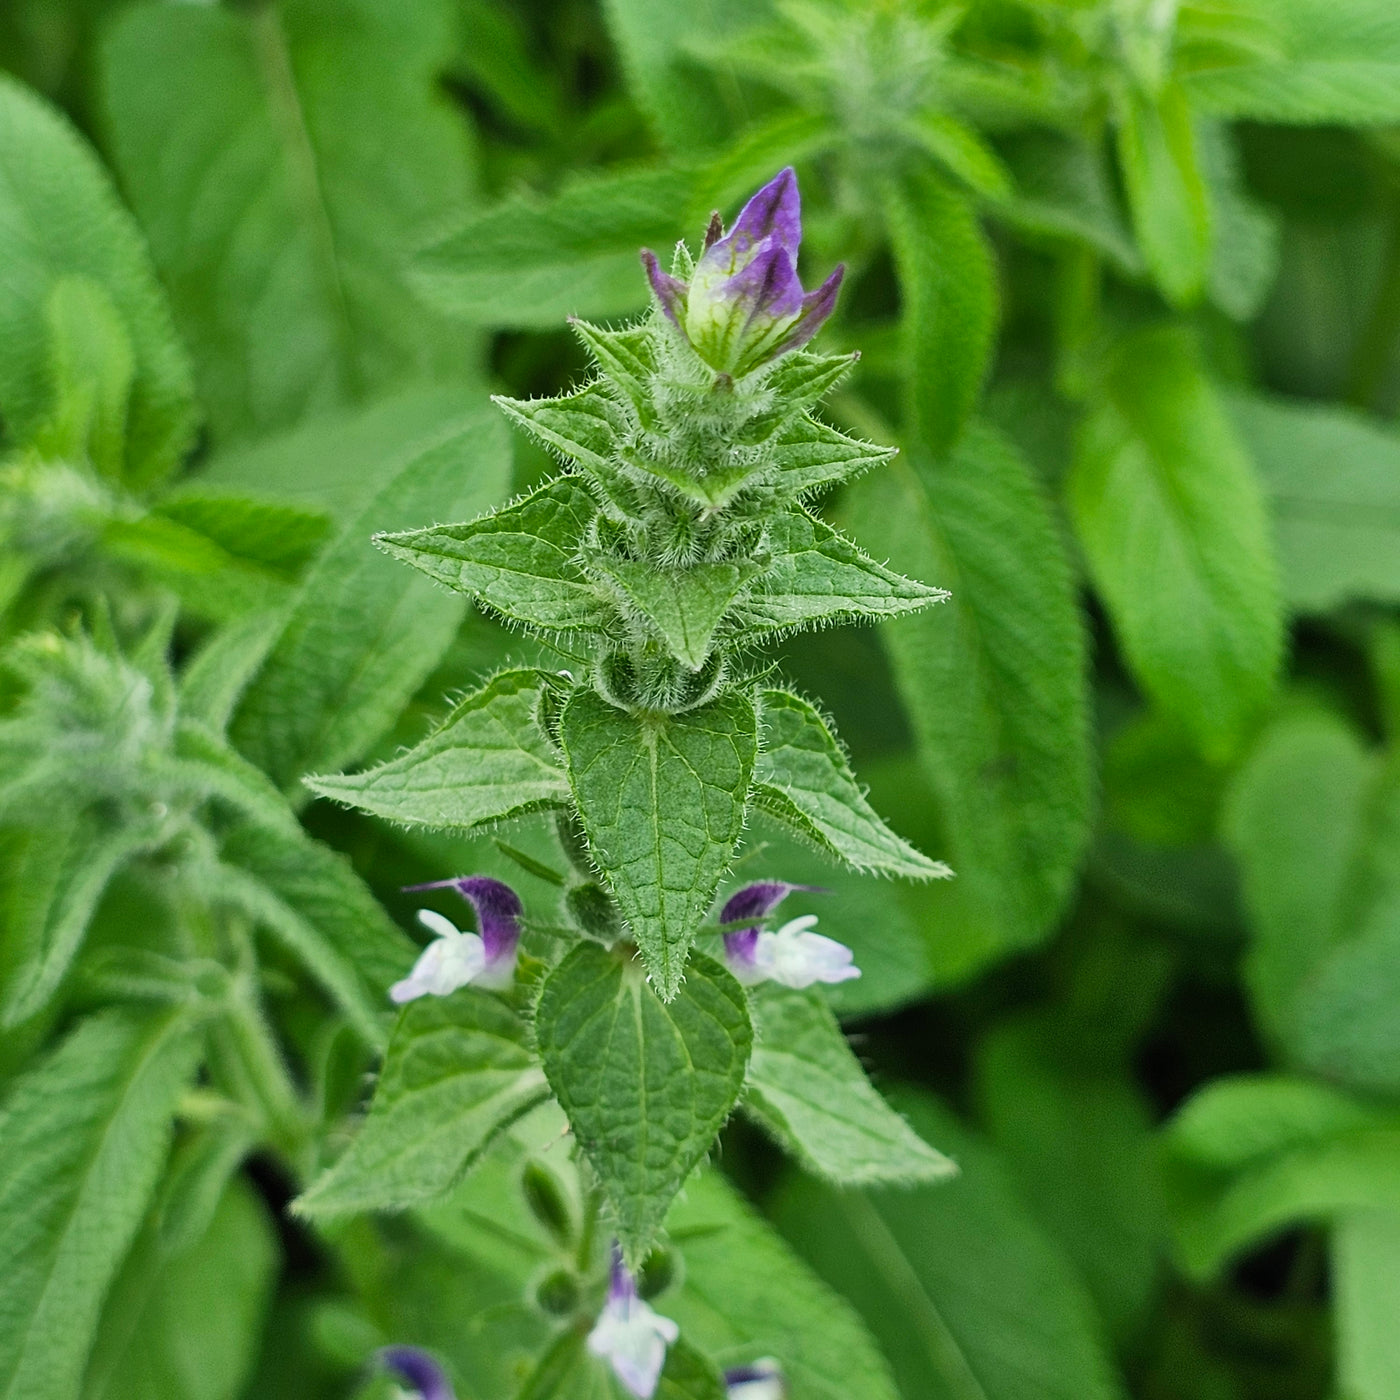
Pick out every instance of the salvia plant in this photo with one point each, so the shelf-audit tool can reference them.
(448, 947)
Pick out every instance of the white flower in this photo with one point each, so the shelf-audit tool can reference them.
(450, 961)
(632, 1339)
(795, 957)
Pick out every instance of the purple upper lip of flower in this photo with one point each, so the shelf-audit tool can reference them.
(419, 1370)
(498, 910)
(754, 902)
(745, 305)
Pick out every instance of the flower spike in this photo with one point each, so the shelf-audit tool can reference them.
(744, 306)
(629, 1336)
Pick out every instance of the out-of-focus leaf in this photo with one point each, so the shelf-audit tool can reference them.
(284, 251)
(948, 288)
(993, 683)
(1076, 1132)
(963, 1290)
(362, 633)
(185, 1323)
(1167, 195)
(61, 227)
(1173, 523)
(1332, 478)
(1365, 1278)
(1250, 1155)
(83, 1135)
(1245, 234)
(1311, 61)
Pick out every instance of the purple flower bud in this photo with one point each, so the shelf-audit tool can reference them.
(745, 306)
(455, 958)
(629, 1336)
(418, 1370)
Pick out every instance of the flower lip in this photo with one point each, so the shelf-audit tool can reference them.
(419, 1370)
(630, 1336)
(763, 1380)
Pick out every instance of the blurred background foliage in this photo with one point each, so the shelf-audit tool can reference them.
(1125, 275)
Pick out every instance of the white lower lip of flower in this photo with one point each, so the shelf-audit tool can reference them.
(798, 958)
(450, 961)
(633, 1339)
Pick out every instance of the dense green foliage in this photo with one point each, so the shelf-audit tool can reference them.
(292, 617)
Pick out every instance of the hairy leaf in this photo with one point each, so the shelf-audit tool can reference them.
(993, 683)
(662, 801)
(584, 427)
(63, 232)
(802, 777)
(1172, 520)
(83, 1135)
(684, 605)
(458, 1070)
(519, 561)
(488, 760)
(646, 1084)
(813, 456)
(806, 1088)
(818, 577)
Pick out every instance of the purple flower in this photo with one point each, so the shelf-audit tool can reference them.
(455, 958)
(419, 1371)
(763, 1380)
(629, 1336)
(744, 305)
(793, 956)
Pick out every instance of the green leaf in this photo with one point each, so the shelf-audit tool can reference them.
(1364, 1283)
(817, 577)
(1172, 520)
(685, 606)
(1332, 479)
(959, 1285)
(309, 897)
(1312, 61)
(627, 357)
(961, 152)
(361, 635)
(57, 889)
(489, 760)
(92, 366)
(802, 777)
(186, 1323)
(458, 1070)
(585, 427)
(529, 262)
(662, 801)
(646, 1084)
(67, 244)
(811, 456)
(285, 252)
(948, 290)
(1078, 1134)
(1166, 190)
(769, 1304)
(1250, 1155)
(273, 535)
(1295, 819)
(993, 684)
(1246, 234)
(806, 1088)
(519, 561)
(83, 1136)
(798, 381)
(213, 682)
